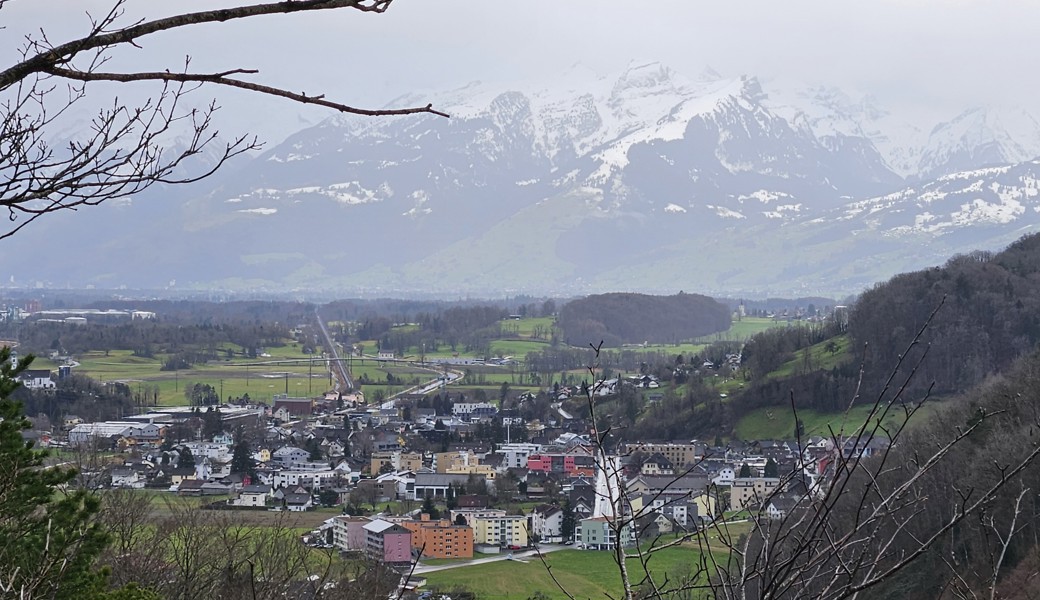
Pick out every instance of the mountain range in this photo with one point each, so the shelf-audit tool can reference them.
(644, 180)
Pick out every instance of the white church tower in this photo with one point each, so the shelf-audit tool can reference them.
(608, 488)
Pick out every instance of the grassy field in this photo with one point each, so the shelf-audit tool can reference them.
(687, 348)
(166, 504)
(287, 370)
(516, 348)
(526, 327)
(743, 329)
(588, 574)
(818, 357)
(778, 422)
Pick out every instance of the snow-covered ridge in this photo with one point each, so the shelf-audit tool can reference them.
(351, 192)
(994, 196)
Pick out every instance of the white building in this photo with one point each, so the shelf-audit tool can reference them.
(308, 479)
(516, 454)
(473, 409)
(86, 432)
(252, 496)
(216, 452)
(37, 379)
(725, 477)
(290, 455)
(547, 523)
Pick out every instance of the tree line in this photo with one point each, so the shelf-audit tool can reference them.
(147, 338)
(625, 318)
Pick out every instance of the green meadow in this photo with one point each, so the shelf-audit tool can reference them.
(286, 370)
(777, 422)
(589, 574)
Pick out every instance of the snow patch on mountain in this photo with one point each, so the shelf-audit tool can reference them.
(420, 198)
(674, 208)
(783, 211)
(726, 213)
(979, 211)
(349, 193)
(763, 196)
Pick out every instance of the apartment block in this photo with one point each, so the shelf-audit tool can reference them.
(440, 538)
(504, 531)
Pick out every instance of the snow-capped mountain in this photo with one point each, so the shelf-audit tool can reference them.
(981, 136)
(969, 200)
(645, 140)
(644, 179)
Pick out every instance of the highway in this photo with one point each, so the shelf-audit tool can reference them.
(344, 383)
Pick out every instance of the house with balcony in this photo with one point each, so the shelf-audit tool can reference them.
(388, 542)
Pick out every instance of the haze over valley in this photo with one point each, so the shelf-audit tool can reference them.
(644, 179)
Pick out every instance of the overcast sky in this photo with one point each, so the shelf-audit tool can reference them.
(943, 53)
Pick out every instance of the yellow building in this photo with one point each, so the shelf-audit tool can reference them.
(443, 461)
(486, 470)
(707, 504)
(681, 454)
(507, 531)
(751, 491)
(397, 461)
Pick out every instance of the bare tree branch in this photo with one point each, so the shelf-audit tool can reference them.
(125, 149)
(223, 79)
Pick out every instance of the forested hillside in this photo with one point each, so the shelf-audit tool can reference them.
(1003, 412)
(623, 318)
(985, 314)
(990, 316)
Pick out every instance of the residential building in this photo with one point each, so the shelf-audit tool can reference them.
(751, 491)
(397, 485)
(487, 471)
(781, 505)
(469, 514)
(388, 542)
(443, 461)
(298, 502)
(657, 464)
(571, 465)
(397, 461)
(547, 523)
(473, 410)
(657, 484)
(441, 538)
(37, 379)
(516, 454)
(348, 533)
(508, 531)
(308, 479)
(289, 456)
(127, 477)
(253, 496)
(682, 455)
(595, 533)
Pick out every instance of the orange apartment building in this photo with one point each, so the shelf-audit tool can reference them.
(440, 539)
